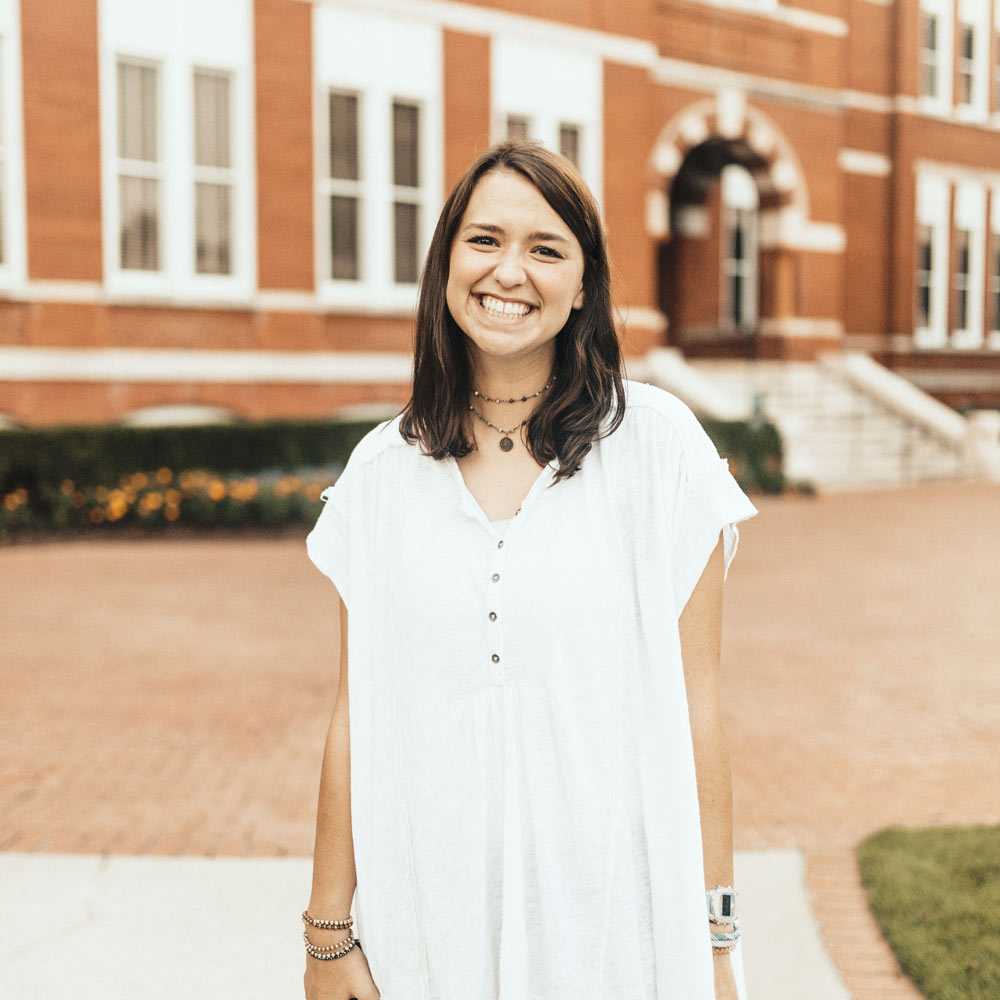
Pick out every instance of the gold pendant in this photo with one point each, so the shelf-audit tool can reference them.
(505, 443)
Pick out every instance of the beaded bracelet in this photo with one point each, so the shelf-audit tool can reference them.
(727, 940)
(332, 925)
(331, 951)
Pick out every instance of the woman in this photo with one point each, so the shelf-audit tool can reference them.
(522, 558)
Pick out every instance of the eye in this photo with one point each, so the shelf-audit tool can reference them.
(483, 241)
(549, 252)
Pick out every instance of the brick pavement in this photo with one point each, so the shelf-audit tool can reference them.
(171, 697)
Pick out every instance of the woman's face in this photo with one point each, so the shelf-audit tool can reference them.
(516, 271)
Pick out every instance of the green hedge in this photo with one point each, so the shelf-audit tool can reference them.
(35, 459)
(753, 448)
(267, 474)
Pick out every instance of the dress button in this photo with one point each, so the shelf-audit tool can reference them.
(493, 616)
(495, 658)
(495, 577)
(500, 544)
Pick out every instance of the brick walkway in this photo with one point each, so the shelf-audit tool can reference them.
(172, 697)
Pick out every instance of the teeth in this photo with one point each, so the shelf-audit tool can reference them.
(496, 307)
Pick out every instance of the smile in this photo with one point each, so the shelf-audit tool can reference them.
(503, 310)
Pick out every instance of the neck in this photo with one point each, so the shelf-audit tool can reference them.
(504, 378)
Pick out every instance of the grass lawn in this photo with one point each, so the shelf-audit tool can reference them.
(936, 895)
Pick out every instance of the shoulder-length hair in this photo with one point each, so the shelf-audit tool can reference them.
(587, 399)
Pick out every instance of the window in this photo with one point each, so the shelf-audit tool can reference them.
(518, 127)
(139, 169)
(406, 193)
(929, 55)
(966, 68)
(214, 180)
(739, 248)
(345, 187)
(960, 280)
(569, 142)
(925, 274)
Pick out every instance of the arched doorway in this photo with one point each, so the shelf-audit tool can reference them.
(727, 184)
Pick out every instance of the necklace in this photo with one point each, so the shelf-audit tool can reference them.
(505, 442)
(523, 399)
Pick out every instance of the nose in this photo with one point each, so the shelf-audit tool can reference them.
(509, 271)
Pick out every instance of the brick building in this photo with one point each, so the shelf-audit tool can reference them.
(213, 207)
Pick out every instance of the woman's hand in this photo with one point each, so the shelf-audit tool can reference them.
(725, 979)
(341, 978)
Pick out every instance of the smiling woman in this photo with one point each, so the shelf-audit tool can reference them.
(526, 792)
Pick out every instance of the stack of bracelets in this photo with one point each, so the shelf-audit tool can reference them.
(331, 951)
(722, 917)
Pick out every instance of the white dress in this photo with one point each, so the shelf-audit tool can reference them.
(523, 795)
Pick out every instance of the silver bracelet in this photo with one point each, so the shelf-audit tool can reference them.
(727, 940)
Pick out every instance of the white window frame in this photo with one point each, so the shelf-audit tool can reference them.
(970, 216)
(181, 38)
(383, 58)
(551, 87)
(13, 263)
(934, 211)
(944, 11)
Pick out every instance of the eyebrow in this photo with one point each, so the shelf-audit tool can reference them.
(489, 227)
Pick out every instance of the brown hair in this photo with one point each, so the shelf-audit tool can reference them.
(588, 365)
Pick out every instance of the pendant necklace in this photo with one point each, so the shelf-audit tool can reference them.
(506, 444)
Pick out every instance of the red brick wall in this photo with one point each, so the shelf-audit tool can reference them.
(466, 101)
(283, 43)
(628, 140)
(62, 144)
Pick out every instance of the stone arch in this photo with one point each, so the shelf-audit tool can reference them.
(753, 140)
(685, 217)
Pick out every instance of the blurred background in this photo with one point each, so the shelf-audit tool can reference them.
(213, 215)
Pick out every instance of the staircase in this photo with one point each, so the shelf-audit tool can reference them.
(846, 422)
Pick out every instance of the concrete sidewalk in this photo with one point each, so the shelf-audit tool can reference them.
(93, 927)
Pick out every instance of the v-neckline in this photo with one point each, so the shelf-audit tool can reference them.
(472, 505)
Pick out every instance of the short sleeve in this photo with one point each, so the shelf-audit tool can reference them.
(711, 502)
(327, 543)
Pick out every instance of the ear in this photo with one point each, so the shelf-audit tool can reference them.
(578, 301)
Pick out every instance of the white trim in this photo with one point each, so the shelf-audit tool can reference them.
(640, 318)
(861, 161)
(55, 364)
(955, 172)
(788, 227)
(480, 21)
(475, 19)
(800, 326)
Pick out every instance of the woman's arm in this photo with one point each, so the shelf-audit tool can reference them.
(701, 647)
(334, 876)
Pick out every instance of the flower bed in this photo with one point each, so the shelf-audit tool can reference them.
(163, 497)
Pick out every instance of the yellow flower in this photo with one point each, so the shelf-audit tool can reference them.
(173, 498)
(216, 490)
(150, 502)
(10, 502)
(22, 495)
(101, 494)
(139, 481)
(164, 476)
(66, 487)
(171, 512)
(117, 505)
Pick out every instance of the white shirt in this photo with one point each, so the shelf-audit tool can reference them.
(523, 796)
